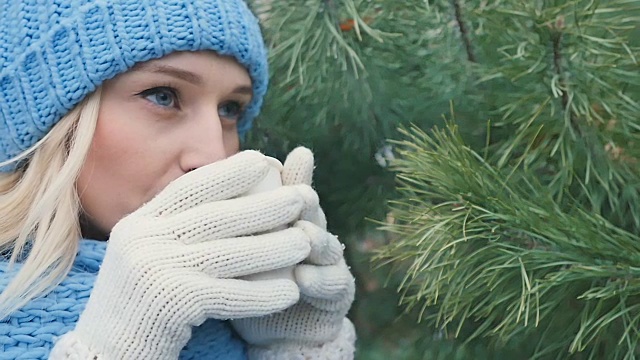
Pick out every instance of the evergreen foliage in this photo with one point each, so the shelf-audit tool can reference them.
(515, 224)
(534, 236)
(342, 79)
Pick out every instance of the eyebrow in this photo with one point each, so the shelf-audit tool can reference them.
(169, 70)
(185, 75)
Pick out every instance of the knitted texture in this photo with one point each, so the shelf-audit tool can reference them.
(175, 262)
(30, 333)
(326, 285)
(298, 169)
(55, 52)
(342, 348)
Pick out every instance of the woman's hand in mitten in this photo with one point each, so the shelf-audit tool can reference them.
(315, 327)
(174, 263)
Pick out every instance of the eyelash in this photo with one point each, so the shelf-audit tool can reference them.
(158, 89)
(175, 94)
(240, 108)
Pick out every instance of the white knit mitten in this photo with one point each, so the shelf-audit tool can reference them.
(175, 262)
(315, 327)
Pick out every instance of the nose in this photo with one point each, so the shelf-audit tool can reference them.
(204, 141)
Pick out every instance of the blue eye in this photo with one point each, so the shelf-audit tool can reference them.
(161, 96)
(231, 110)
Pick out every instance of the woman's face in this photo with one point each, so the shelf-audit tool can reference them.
(156, 122)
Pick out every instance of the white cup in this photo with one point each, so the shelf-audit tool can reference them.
(273, 180)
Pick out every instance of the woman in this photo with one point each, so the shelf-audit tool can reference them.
(130, 228)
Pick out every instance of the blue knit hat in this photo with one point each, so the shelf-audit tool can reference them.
(55, 52)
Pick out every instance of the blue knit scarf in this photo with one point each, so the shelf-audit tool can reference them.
(31, 332)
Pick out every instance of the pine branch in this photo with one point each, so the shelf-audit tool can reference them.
(491, 245)
(560, 86)
(464, 32)
(556, 45)
(556, 39)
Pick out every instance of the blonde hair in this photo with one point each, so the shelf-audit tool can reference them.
(39, 207)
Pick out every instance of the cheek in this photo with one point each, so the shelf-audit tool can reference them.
(116, 147)
(110, 184)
